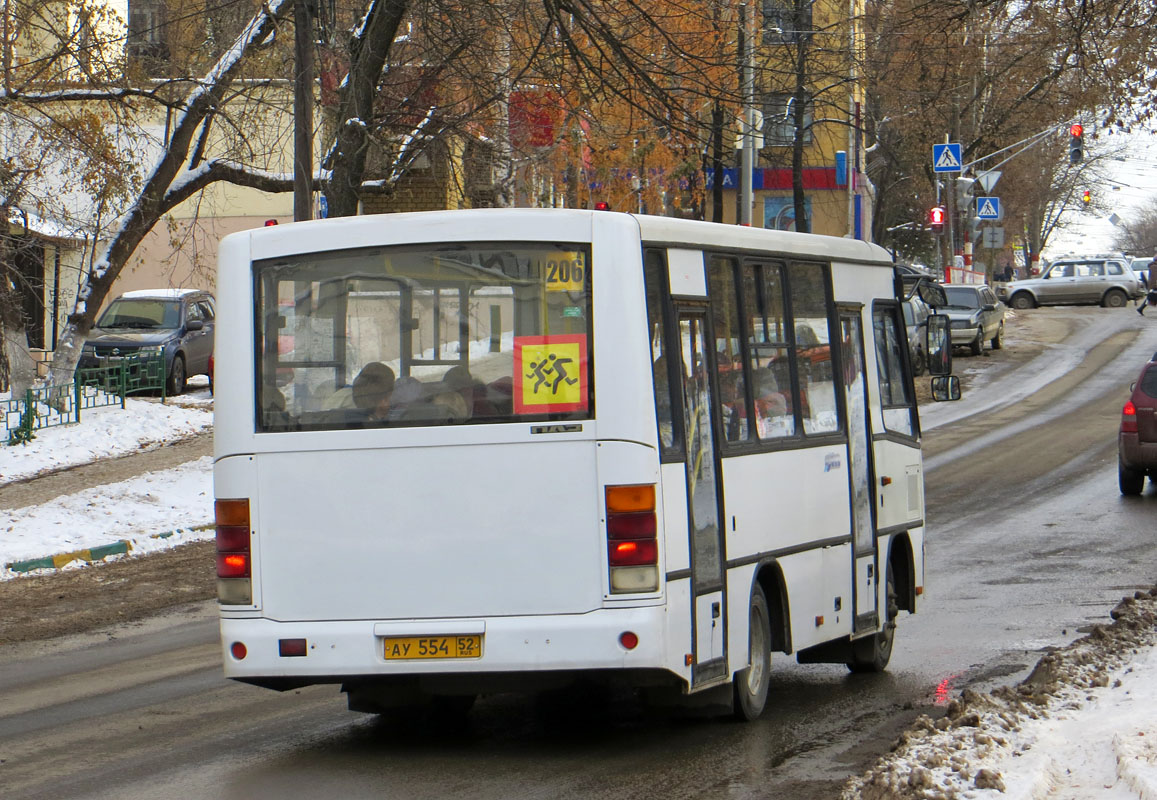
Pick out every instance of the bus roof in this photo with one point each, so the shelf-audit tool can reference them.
(545, 223)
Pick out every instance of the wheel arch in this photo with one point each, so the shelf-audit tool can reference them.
(1114, 291)
(769, 576)
(1033, 302)
(902, 563)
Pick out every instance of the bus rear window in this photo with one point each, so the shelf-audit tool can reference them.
(426, 335)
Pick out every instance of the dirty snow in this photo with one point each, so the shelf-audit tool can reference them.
(153, 511)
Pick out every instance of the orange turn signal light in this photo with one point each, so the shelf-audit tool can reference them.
(631, 498)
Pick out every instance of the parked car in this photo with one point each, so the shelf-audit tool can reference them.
(1108, 280)
(975, 316)
(1137, 439)
(916, 313)
(175, 322)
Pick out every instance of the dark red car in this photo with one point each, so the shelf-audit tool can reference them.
(1137, 441)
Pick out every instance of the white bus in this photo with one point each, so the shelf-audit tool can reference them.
(468, 452)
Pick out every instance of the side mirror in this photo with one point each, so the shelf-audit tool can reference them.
(946, 387)
(990, 306)
(938, 346)
(194, 325)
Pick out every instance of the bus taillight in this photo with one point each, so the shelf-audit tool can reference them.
(632, 539)
(234, 557)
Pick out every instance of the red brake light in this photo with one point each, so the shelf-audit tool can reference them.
(1129, 418)
(232, 565)
(633, 552)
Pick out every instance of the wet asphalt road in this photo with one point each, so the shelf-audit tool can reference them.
(1029, 543)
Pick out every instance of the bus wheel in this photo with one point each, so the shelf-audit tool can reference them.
(751, 684)
(872, 653)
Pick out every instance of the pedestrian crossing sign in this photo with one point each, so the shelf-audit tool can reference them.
(946, 157)
(988, 207)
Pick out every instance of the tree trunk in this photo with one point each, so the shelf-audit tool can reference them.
(368, 53)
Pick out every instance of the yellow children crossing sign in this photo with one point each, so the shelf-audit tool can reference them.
(550, 374)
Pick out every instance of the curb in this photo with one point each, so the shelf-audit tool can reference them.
(91, 554)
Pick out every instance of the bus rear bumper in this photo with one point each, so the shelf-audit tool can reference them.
(337, 651)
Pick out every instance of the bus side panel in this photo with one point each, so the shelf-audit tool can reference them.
(236, 478)
(778, 500)
(422, 532)
(625, 397)
(233, 358)
(901, 500)
(676, 540)
(676, 557)
(623, 464)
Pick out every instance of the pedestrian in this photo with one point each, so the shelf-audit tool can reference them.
(1150, 286)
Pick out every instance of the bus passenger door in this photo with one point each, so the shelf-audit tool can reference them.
(866, 570)
(704, 513)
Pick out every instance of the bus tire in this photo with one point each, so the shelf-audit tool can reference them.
(752, 683)
(872, 653)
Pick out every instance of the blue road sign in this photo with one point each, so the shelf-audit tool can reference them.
(988, 207)
(946, 157)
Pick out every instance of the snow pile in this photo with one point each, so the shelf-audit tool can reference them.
(107, 433)
(1082, 722)
(151, 512)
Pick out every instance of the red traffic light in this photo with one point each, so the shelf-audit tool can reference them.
(936, 217)
(1076, 129)
(1086, 197)
(602, 205)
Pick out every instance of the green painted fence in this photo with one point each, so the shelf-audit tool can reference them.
(92, 387)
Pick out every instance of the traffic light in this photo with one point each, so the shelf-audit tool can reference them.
(1086, 197)
(936, 217)
(1076, 143)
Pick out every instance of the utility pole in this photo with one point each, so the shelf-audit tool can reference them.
(303, 40)
(747, 154)
(950, 202)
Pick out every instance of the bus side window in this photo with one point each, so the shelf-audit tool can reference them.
(894, 395)
(813, 352)
(766, 317)
(728, 356)
(666, 410)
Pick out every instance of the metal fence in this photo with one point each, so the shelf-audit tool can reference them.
(92, 387)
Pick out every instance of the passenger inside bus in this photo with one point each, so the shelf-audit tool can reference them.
(770, 406)
(372, 389)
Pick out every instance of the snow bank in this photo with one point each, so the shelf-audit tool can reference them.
(1080, 725)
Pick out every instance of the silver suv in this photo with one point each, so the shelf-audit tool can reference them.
(1107, 280)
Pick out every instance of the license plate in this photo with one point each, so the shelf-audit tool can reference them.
(410, 647)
